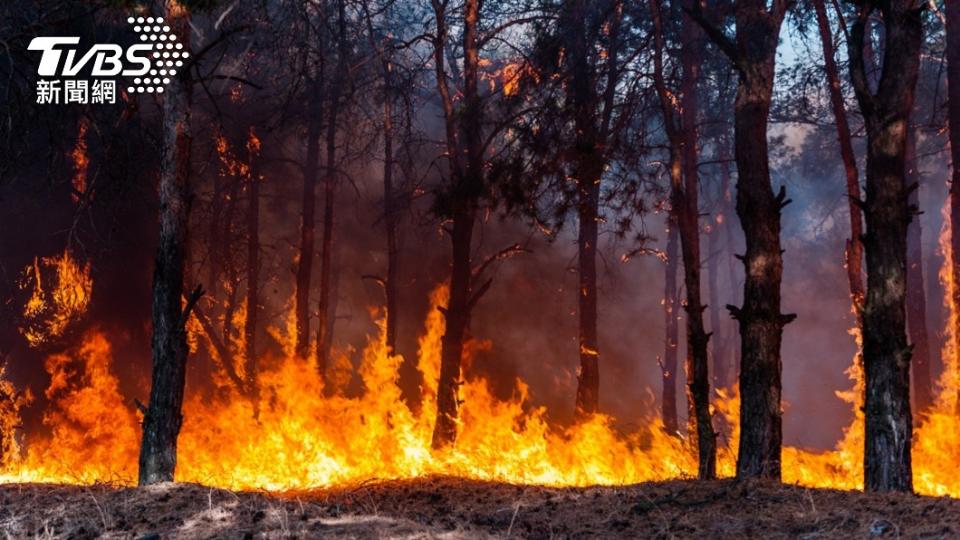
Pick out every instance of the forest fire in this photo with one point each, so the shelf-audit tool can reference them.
(297, 438)
(300, 439)
(490, 262)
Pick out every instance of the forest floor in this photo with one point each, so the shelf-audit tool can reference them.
(456, 508)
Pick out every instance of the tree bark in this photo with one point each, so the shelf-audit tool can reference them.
(163, 416)
(854, 249)
(698, 374)
(671, 298)
(590, 159)
(308, 222)
(952, 13)
(681, 127)
(886, 355)
(464, 145)
(325, 323)
(587, 173)
(588, 387)
(916, 293)
(389, 209)
(753, 52)
(390, 218)
(456, 316)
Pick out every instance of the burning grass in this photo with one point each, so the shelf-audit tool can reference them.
(455, 507)
(295, 435)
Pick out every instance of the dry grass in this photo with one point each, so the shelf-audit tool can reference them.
(457, 508)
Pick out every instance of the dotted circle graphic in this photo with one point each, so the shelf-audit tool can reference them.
(168, 54)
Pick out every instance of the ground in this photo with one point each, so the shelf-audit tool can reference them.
(457, 508)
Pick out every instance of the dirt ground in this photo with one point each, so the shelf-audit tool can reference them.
(457, 508)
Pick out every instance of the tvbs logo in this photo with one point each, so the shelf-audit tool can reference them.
(147, 66)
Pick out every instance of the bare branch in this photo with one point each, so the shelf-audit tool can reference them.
(719, 38)
(504, 253)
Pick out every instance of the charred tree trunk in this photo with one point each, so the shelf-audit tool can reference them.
(590, 159)
(761, 323)
(163, 417)
(253, 263)
(588, 170)
(698, 374)
(456, 316)
(325, 323)
(671, 298)
(588, 387)
(886, 355)
(390, 218)
(854, 251)
(916, 293)
(464, 142)
(952, 13)
(681, 128)
(308, 223)
(389, 210)
(326, 245)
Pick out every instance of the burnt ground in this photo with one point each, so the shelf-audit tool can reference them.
(457, 508)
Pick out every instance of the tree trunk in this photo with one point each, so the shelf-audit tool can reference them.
(916, 293)
(163, 416)
(308, 223)
(389, 210)
(886, 355)
(253, 263)
(698, 374)
(854, 250)
(671, 298)
(761, 323)
(466, 162)
(456, 316)
(588, 388)
(325, 323)
(952, 12)
(326, 244)
(681, 127)
(589, 162)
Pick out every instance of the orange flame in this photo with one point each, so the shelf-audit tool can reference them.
(48, 313)
(297, 436)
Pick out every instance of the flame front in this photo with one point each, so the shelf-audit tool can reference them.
(296, 436)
